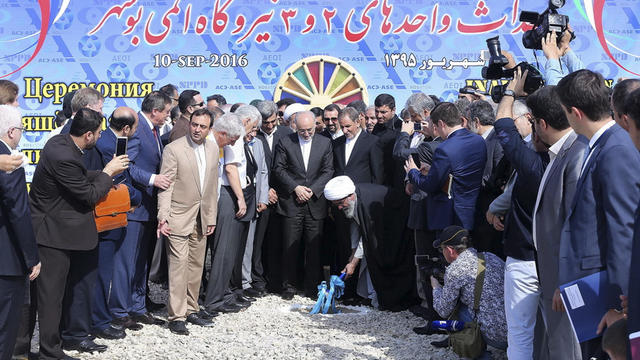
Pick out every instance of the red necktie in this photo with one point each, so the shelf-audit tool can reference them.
(155, 135)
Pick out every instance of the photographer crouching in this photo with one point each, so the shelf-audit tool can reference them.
(463, 282)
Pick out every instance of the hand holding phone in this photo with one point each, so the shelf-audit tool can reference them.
(121, 145)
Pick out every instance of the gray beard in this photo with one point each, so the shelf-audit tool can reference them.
(350, 211)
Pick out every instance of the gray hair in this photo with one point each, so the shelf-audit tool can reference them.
(250, 112)
(9, 118)
(370, 108)
(299, 114)
(419, 102)
(462, 104)
(85, 97)
(230, 124)
(482, 111)
(520, 108)
(266, 108)
(350, 112)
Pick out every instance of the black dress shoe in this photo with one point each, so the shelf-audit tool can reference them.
(148, 319)
(154, 306)
(126, 322)
(441, 344)
(242, 298)
(424, 330)
(111, 333)
(67, 357)
(178, 327)
(207, 315)
(229, 308)
(288, 294)
(196, 320)
(254, 293)
(84, 346)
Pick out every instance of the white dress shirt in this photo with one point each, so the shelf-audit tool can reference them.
(269, 138)
(235, 155)
(153, 176)
(553, 153)
(486, 134)
(305, 147)
(348, 146)
(201, 160)
(593, 141)
(416, 139)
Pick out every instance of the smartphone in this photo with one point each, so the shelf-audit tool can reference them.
(121, 145)
(416, 159)
(417, 126)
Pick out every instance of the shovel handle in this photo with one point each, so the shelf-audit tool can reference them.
(342, 275)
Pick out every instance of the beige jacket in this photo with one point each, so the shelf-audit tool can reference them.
(182, 201)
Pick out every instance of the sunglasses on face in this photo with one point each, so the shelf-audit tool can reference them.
(330, 119)
(201, 104)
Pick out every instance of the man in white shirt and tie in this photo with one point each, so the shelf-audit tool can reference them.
(303, 165)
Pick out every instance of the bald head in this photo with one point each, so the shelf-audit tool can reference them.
(124, 121)
(305, 124)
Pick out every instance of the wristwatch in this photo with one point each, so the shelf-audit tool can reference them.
(509, 93)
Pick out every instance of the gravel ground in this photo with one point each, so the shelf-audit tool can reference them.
(273, 328)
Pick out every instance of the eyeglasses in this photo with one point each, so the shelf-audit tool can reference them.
(330, 119)
(201, 104)
(18, 127)
(305, 131)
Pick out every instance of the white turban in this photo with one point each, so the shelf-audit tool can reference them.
(292, 109)
(339, 188)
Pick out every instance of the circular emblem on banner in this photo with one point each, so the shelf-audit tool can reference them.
(390, 44)
(269, 73)
(89, 45)
(118, 72)
(321, 80)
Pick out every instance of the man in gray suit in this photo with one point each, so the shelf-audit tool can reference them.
(555, 194)
(252, 259)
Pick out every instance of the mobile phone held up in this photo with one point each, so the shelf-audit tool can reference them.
(417, 126)
(121, 146)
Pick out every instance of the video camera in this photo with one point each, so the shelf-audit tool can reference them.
(495, 70)
(543, 24)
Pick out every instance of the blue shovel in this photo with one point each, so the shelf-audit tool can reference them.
(326, 302)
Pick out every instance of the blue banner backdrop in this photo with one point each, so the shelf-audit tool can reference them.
(241, 48)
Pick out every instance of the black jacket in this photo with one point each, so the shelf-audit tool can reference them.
(289, 172)
(365, 162)
(63, 196)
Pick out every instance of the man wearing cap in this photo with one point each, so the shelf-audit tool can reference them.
(377, 215)
(460, 282)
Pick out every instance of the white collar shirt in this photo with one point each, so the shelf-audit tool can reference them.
(201, 160)
(593, 140)
(348, 146)
(416, 139)
(486, 134)
(553, 154)
(305, 147)
(234, 154)
(269, 138)
(336, 134)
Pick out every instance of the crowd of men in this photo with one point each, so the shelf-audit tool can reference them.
(538, 190)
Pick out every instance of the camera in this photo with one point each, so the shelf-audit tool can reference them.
(435, 267)
(550, 20)
(495, 70)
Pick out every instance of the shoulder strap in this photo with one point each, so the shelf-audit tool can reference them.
(477, 291)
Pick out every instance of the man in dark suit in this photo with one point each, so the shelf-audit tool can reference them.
(387, 130)
(357, 154)
(63, 196)
(145, 152)
(631, 109)
(113, 288)
(480, 115)
(330, 118)
(597, 234)
(303, 165)
(19, 256)
(188, 102)
(270, 269)
(385, 106)
(457, 164)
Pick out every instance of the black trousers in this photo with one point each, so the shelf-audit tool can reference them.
(11, 300)
(302, 237)
(258, 276)
(65, 289)
(27, 321)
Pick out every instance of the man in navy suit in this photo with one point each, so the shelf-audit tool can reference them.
(458, 164)
(113, 285)
(597, 234)
(19, 255)
(145, 153)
